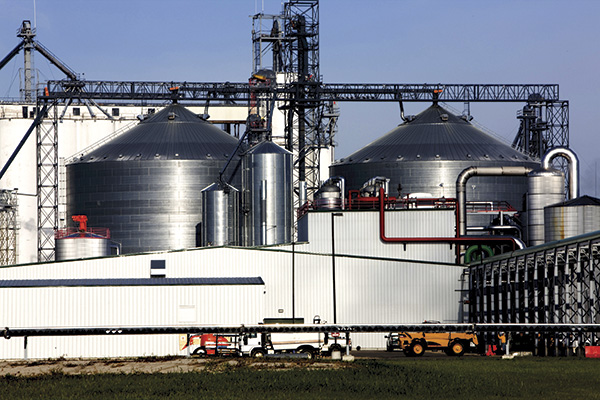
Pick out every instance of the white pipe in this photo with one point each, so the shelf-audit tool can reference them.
(461, 184)
(573, 161)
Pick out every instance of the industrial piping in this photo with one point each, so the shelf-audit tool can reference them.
(573, 161)
(461, 184)
(516, 244)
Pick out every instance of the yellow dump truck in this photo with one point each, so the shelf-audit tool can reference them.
(414, 344)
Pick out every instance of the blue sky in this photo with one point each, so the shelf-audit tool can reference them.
(379, 41)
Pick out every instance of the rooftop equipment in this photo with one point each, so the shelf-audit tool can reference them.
(84, 242)
(571, 218)
(426, 153)
(547, 187)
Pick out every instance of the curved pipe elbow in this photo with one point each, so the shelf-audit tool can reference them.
(573, 161)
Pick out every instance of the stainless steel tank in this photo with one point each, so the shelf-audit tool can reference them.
(328, 197)
(546, 187)
(145, 185)
(427, 153)
(220, 215)
(572, 218)
(267, 187)
(84, 245)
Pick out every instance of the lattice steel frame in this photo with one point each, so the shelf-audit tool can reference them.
(8, 226)
(47, 182)
(558, 283)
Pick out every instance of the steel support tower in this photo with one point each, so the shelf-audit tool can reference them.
(291, 41)
(8, 226)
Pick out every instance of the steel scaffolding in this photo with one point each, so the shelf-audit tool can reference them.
(555, 283)
(8, 226)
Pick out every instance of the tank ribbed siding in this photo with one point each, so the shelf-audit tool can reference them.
(145, 185)
(427, 154)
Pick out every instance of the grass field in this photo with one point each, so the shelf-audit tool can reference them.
(439, 378)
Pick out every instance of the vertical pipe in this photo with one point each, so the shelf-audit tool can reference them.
(333, 266)
(573, 161)
(294, 282)
(263, 212)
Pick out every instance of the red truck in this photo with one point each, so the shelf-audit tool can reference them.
(209, 344)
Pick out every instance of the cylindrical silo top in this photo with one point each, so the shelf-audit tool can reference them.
(174, 133)
(438, 135)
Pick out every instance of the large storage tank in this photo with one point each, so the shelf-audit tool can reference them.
(145, 185)
(427, 153)
(267, 183)
(572, 218)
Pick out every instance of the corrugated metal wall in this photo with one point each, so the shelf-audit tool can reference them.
(298, 282)
(357, 232)
(118, 306)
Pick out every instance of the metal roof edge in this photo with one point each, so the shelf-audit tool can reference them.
(534, 249)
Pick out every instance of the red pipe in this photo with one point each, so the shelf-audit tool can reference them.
(452, 240)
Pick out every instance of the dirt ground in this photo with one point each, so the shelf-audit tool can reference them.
(152, 365)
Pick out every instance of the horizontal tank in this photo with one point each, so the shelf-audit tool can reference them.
(145, 185)
(572, 218)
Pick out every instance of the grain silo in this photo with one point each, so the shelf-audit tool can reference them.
(427, 152)
(145, 185)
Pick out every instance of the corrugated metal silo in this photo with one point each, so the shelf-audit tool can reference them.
(572, 218)
(145, 185)
(267, 172)
(220, 215)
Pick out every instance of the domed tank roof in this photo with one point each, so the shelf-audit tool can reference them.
(146, 184)
(435, 134)
(174, 133)
(427, 154)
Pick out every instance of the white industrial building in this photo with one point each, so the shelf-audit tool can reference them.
(376, 282)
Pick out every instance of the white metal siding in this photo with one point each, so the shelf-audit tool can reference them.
(118, 306)
(388, 289)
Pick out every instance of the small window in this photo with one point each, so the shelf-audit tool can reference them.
(115, 112)
(76, 111)
(158, 268)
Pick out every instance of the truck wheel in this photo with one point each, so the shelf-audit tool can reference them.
(417, 349)
(258, 353)
(335, 347)
(308, 351)
(457, 348)
(200, 352)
